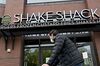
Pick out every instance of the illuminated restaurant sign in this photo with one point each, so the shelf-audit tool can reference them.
(58, 15)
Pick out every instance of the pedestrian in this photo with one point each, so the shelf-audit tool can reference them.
(65, 52)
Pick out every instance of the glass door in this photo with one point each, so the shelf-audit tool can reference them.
(85, 49)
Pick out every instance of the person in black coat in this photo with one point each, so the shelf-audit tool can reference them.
(65, 52)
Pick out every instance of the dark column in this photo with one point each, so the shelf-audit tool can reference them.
(96, 42)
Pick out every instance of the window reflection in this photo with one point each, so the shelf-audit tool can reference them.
(2, 1)
(31, 57)
(46, 53)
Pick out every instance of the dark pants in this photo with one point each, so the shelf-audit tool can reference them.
(79, 64)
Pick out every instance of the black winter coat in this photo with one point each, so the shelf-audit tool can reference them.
(64, 53)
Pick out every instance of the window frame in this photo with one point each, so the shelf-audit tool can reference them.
(3, 2)
(63, 1)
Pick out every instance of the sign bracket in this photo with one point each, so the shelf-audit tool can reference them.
(13, 40)
(5, 39)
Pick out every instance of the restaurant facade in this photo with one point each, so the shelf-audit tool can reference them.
(24, 27)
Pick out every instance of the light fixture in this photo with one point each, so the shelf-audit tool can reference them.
(8, 50)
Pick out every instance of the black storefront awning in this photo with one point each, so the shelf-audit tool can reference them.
(33, 28)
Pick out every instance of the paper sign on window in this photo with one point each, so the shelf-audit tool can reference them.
(85, 55)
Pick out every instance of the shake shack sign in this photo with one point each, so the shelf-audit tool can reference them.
(56, 16)
(51, 18)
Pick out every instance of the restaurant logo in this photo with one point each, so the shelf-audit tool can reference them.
(6, 20)
(52, 18)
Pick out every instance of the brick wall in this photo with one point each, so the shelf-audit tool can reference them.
(2, 8)
(13, 58)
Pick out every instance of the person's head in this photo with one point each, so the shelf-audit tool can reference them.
(52, 34)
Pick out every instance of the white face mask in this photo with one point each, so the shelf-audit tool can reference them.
(52, 38)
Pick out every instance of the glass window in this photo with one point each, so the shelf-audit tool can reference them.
(38, 51)
(42, 1)
(31, 57)
(2, 1)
